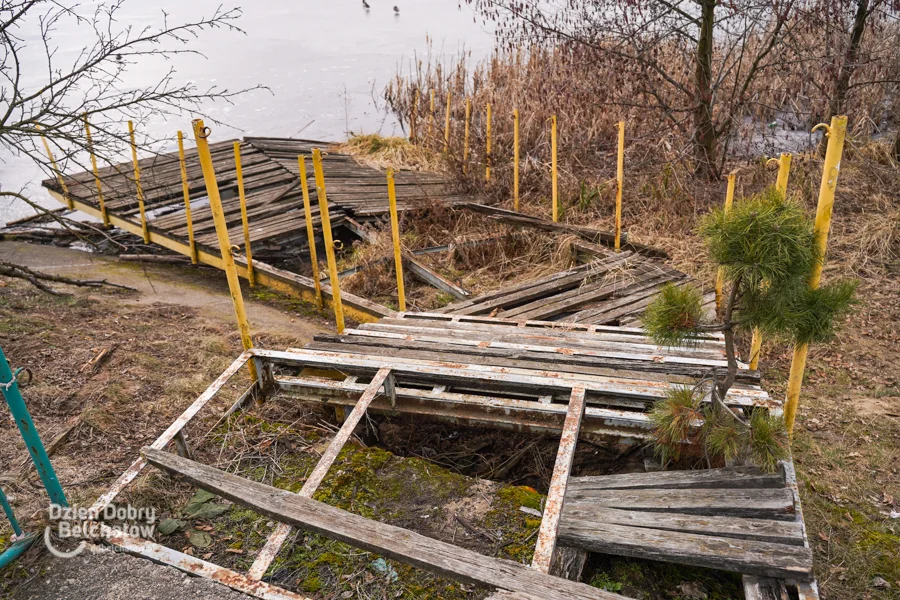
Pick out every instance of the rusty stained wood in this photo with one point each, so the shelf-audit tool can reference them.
(387, 540)
(195, 566)
(314, 480)
(556, 494)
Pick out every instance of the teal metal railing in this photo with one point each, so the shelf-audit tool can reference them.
(9, 385)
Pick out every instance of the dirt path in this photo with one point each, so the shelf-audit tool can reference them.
(195, 287)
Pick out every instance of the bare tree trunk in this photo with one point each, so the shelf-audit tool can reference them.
(838, 100)
(704, 132)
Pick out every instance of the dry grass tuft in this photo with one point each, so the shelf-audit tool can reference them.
(381, 152)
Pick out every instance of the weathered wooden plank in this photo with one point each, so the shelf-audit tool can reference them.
(556, 493)
(730, 554)
(393, 542)
(764, 588)
(766, 530)
(728, 477)
(433, 278)
(564, 362)
(753, 503)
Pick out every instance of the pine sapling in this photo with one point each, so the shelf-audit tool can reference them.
(766, 247)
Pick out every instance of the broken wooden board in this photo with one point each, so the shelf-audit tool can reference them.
(716, 552)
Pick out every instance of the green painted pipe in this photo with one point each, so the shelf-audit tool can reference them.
(13, 396)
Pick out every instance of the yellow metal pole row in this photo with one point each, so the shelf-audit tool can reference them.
(246, 224)
(215, 204)
(836, 133)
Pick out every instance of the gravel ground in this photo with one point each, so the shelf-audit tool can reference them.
(106, 575)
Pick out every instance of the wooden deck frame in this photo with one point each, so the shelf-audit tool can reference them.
(471, 394)
(504, 575)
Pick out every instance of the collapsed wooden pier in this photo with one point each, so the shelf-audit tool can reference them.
(560, 356)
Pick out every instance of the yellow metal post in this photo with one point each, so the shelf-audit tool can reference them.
(395, 236)
(329, 242)
(553, 174)
(430, 116)
(516, 160)
(784, 170)
(310, 232)
(447, 125)
(487, 151)
(245, 222)
(201, 133)
(466, 137)
(620, 183)
(412, 118)
(56, 171)
(185, 188)
(90, 145)
(137, 184)
(720, 275)
(835, 133)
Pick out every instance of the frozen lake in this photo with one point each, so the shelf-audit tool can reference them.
(326, 63)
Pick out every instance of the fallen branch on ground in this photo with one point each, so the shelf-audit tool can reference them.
(37, 279)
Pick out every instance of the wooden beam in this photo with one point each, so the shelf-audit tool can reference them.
(389, 541)
(556, 494)
(433, 278)
(314, 480)
(766, 530)
(751, 503)
(715, 552)
(728, 477)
